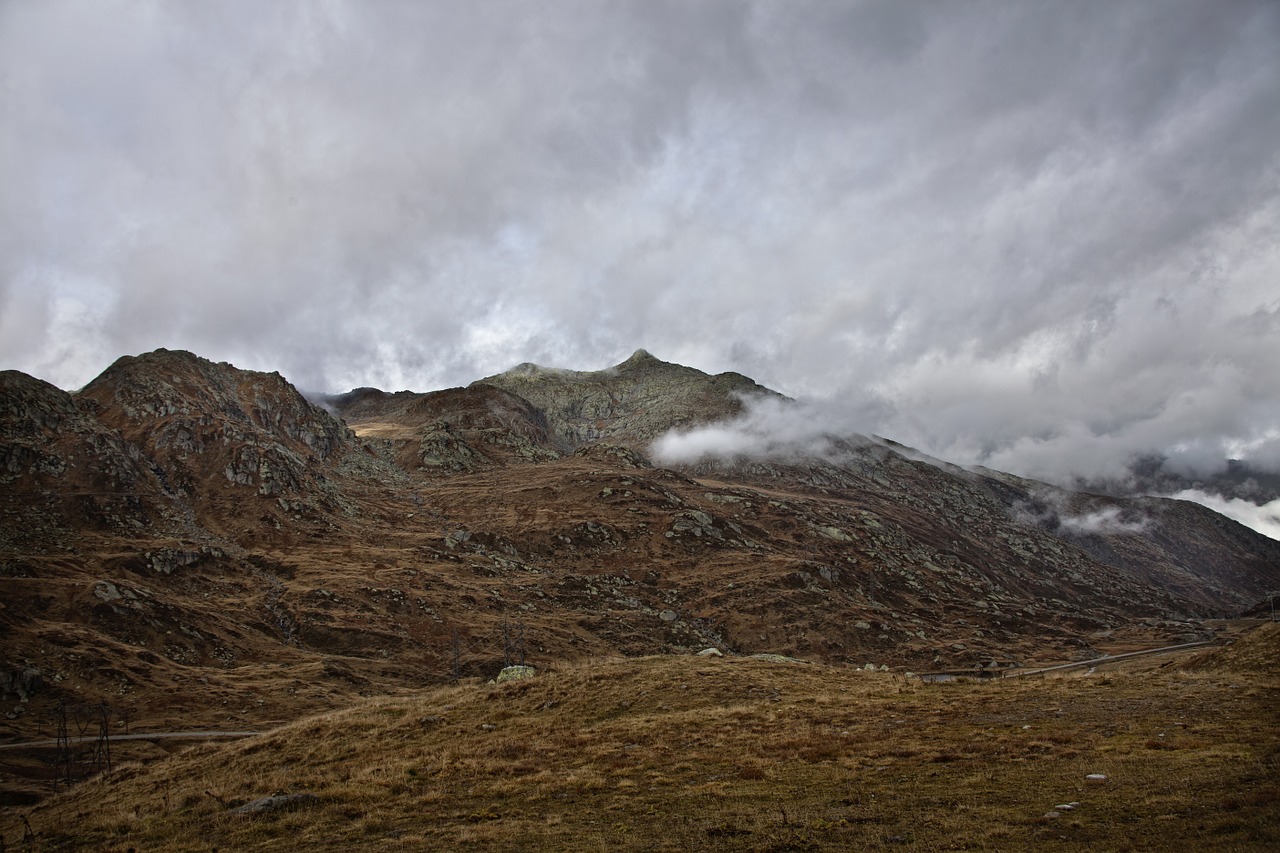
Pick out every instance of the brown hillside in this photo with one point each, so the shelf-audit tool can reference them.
(681, 753)
(204, 548)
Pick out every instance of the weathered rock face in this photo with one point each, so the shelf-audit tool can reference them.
(61, 465)
(204, 424)
(631, 403)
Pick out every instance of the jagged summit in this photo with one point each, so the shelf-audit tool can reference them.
(640, 354)
(631, 403)
(641, 358)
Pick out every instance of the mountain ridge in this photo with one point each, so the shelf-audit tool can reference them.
(182, 519)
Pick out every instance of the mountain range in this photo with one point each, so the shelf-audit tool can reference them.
(203, 544)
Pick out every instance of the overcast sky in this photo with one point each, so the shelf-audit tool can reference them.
(1041, 236)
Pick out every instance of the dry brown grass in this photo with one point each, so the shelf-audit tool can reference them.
(679, 753)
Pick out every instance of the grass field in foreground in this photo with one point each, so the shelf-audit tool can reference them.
(680, 753)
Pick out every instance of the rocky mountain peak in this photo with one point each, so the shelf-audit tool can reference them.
(631, 403)
(215, 429)
(641, 358)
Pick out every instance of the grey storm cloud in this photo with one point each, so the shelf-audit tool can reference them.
(1044, 237)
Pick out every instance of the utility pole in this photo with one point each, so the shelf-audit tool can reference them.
(456, 668)
(62, 753)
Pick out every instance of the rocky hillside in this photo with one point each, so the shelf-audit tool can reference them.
(445, 432)
(202, 545)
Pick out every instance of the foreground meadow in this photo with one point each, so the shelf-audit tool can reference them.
(679, 753)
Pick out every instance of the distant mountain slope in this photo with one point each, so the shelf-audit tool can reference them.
(445, 432)
(1237, 480)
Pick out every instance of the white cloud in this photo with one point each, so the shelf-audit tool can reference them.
(1265, 519)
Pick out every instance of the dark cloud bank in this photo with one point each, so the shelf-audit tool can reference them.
(1042, 237)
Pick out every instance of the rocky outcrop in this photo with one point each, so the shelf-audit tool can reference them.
(62, 467)
(631, 403)
(206, 424)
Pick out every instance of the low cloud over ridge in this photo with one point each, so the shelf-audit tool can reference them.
(1039, 237)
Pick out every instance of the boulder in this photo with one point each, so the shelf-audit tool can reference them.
(515, 673)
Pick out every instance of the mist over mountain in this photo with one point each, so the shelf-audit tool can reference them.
(1034, 237)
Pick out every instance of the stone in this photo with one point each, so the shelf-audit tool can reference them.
(106, 591)
(776, 658)
(21, 683)
(515, 673)
(1095, 778)
(277, 803)
(834, 533)
(711, 653)
(668, 616)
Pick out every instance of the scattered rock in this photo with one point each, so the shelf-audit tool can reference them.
(711, 653)
(106, 591)
(668, 616)
(1095, 778)
(277, 803)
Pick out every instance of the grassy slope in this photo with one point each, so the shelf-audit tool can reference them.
(678, 753)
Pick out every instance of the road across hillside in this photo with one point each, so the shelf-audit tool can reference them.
(36, 744)
(1113, 658)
